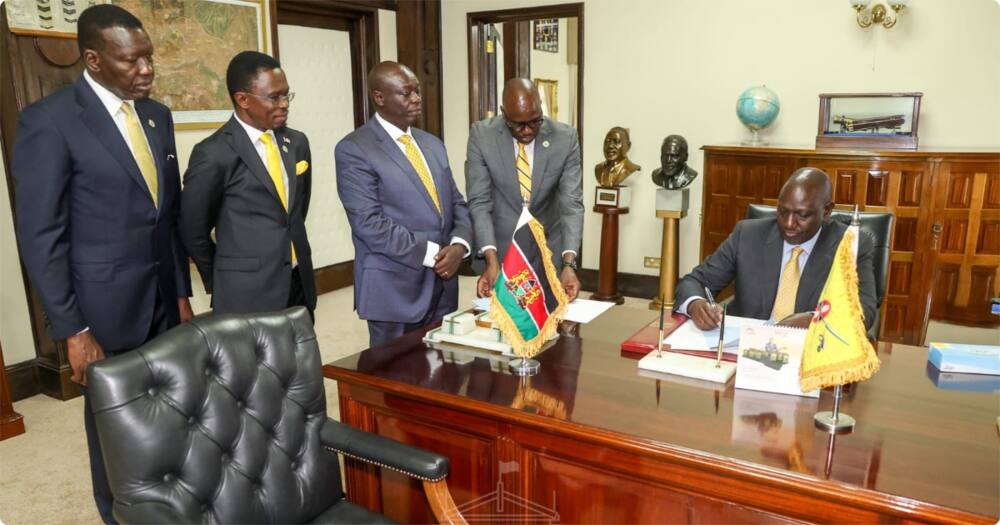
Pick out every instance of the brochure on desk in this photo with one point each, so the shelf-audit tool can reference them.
(769, 358)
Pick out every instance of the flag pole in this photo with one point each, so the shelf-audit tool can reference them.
(833, 421)
(524, 366)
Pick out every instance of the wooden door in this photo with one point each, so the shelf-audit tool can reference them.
(966, 242)
(902, 189)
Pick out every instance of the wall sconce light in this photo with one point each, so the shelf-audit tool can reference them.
(878, 14)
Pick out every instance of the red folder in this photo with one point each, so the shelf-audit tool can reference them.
(644, 341)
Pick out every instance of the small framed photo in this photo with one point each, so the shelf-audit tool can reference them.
(868, 120)
(546, 35)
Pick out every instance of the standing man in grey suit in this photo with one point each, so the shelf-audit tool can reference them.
(522, 158)
(409, 222)
(98, 193)
(251, 181)
(780, 266)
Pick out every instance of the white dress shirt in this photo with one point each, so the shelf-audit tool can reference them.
(394, 133)
(529, 151)
(113, 104)
(786, 254)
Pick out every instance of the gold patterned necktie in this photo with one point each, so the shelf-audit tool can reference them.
(788, 287)
(140, 150)
(274, 171)
(413, 155)
(523, 173)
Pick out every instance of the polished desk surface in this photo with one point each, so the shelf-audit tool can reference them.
(912, 440)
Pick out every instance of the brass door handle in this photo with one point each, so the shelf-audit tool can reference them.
(936, 230)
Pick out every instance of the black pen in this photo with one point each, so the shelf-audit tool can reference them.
(659, 343)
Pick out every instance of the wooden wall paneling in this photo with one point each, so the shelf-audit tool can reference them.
(36, 66)
(418, 39)
(11, 423)
(516, 50)
(967, 212)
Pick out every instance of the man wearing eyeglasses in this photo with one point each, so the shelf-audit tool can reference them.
(250, 181)
(521, 158)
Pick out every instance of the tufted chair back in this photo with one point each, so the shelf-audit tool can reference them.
(219, 420)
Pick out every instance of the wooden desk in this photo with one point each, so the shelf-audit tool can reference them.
(597, 442)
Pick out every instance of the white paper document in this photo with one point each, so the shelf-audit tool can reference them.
(579, 311)
(687, 336)
(585, 310)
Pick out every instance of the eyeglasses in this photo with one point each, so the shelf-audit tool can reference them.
(519, 126)
(274, 99)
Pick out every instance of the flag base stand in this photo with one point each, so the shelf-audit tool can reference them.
(524, 367)
(833, 421)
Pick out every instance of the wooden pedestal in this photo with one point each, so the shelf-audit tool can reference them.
(669, 259)
(607, 274)
(11, 423)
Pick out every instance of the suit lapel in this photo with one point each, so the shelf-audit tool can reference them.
(240, 142)
(287, 151)
(155, 147)
(96, 117)
(390, 148)
(771, 274)
(508, 184)
(810, 284)
(540, 159)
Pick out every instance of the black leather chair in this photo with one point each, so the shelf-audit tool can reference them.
(223, 420)
(878, 226)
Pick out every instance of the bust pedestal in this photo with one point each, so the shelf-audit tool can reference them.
(671, 206)
(610, 203)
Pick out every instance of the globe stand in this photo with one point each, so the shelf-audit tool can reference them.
(754, 139)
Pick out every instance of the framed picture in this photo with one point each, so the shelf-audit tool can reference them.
(549, 90)
(50, 18)
(193, 85)
(868, 120)
(546, 35)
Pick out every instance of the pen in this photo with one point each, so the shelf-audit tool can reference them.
(708, 295)
(722, 333)
(659, 342)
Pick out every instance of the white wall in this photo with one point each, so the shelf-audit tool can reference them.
(387, 35)
(677, 66)
(15, 325)
(553, 66)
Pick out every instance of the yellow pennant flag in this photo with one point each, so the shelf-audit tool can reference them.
(837, 350)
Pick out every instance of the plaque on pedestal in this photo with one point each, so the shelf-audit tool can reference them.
(612, 197)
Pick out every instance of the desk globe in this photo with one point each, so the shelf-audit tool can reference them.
(757, 108)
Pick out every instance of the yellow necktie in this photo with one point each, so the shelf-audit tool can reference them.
(274, 170)
(788, 287)
(523, 173)
(418, 164)
(140, 150)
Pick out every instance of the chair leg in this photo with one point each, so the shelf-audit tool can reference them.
(441, 503)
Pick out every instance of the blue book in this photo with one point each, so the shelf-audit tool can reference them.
(966, 359)
(964, 382)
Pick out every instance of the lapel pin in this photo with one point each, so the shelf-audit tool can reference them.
(286, 140)
(151, 123)
(545, 144)
(284, 148)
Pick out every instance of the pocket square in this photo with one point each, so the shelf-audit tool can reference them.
(301, 167)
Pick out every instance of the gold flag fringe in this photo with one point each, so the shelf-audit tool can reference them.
(529, 348)
(867, 363)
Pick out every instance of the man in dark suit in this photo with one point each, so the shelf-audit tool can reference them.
(409, 222)
(98, 194)
(780, 266)
(250, 181)
(521, 156)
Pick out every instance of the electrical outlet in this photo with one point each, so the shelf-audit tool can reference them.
(651, 262)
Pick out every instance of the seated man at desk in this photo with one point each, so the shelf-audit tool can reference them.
(779, 265)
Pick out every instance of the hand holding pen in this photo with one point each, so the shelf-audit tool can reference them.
(705, 313)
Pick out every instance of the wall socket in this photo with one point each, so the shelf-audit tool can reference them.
(651, 262)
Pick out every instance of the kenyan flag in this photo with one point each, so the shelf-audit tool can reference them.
(527, 296)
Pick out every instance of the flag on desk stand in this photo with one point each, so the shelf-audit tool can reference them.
(527, 297)
(837, 350)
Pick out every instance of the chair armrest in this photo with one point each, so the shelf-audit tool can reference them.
(383, 452)
(147, 512)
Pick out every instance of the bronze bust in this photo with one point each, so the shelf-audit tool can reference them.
(674, 173)
(616, 166)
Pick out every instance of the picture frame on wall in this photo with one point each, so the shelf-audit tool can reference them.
(193, 86)
(868, 120)
(549, 91)
(546, 35)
